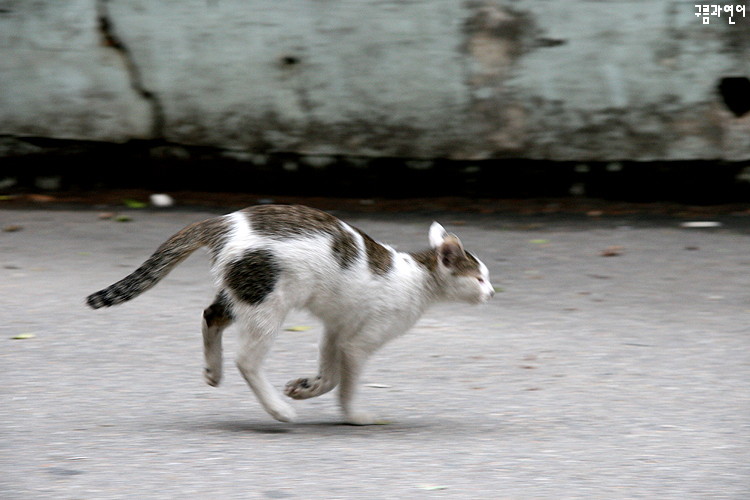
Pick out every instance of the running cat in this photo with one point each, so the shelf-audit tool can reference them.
(270, 259)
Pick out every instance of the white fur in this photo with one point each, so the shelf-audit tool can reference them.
(241, 237)
(437, 235)
(488, 291)
(360, 311)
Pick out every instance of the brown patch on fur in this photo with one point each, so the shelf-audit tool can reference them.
(453, 256)
(219, 313)
(284, 221)
(467, 265)
(253, 276)
(379, 258)
(460, 262)
(462, 265)
(288, 221)
(215, 233)
(344, 248)
(212, 233)
(451, 252)
(427, 259)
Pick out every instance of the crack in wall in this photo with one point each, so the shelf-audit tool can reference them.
(109, 38)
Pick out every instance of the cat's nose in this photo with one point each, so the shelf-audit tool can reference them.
(492, 293)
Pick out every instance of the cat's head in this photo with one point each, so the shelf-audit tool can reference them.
(462, 276)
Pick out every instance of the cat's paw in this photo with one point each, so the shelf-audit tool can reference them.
(361, 418)
(212, 377)
(282, 412)
(302, 388)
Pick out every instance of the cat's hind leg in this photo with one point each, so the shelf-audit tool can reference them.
(328, 372)
(260, 326)
(216, 318)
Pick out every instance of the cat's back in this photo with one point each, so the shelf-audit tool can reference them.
(280, 222)
(305, 240)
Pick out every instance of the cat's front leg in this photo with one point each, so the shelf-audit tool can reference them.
(352, 360)
(328, 372)
(309, 387)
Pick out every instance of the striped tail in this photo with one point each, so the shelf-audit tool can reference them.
(164, 259)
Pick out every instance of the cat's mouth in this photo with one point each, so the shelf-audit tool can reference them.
(486, 295)
(483, 299)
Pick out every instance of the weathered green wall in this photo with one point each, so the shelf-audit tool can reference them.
(540, 79)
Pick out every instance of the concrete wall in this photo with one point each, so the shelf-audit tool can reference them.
(539, 79)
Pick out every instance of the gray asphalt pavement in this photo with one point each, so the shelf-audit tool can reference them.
(589, 376)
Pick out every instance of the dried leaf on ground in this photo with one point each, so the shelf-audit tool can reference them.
(134, 203)
(612, 251)
(298, 328)
(40, 198)
(432, 487)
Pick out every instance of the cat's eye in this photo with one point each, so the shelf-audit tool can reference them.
(481, 280)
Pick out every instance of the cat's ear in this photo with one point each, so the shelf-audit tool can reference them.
(450, 251)
(437, 235)
(449, 247)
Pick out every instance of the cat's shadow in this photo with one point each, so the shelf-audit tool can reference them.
(312, 427)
